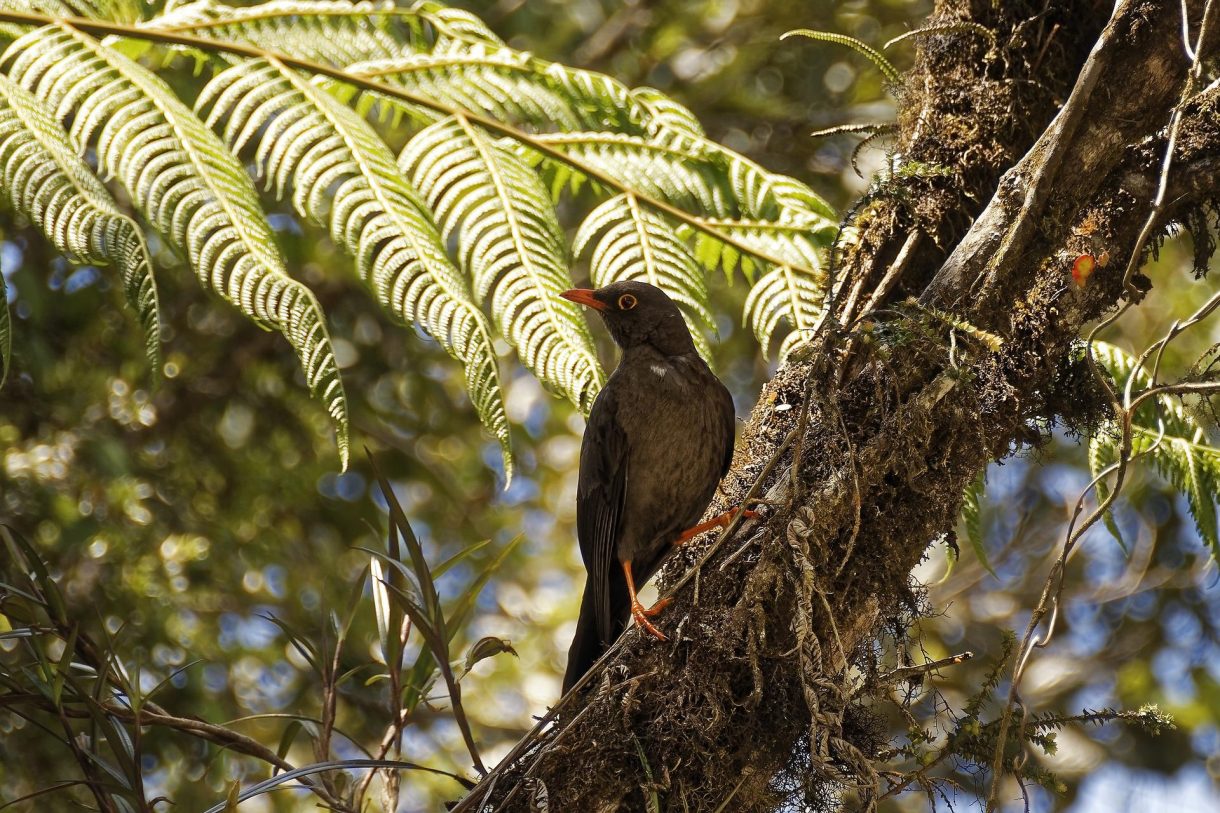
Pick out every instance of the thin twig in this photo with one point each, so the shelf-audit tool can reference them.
(908, 672)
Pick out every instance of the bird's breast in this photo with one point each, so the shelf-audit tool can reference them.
(677, 444)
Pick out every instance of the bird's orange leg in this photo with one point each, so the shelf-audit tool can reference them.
(638, 612)
(720, 521)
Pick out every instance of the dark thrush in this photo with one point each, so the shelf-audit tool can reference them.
(658, 440)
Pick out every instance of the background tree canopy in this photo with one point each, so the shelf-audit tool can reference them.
(190, 498)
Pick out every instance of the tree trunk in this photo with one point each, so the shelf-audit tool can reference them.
(952, 349)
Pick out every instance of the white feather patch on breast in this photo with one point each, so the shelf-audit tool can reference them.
(659, 369)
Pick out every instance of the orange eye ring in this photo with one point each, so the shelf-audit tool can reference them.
(626, 302)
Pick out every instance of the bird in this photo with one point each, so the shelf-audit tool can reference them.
(658, 440)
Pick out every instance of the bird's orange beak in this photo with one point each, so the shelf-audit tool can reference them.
(584, 296)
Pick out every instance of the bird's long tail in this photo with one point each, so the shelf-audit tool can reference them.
(587, 644)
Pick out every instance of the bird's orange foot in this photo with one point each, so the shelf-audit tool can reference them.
(655, 610)
(641, 616)
(720, 521)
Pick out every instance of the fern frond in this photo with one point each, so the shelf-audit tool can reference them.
(334, 32)
(670, 169)
(495, 81)
(1183, 455)
(1194, 470)
(188, 186)
(1118, 364)
(785, 294)
(510, 242)
(639, 244)
(456, 23)
(305, 133)
(874, 56)
(1103, 453)
(797, 244)
(764, 195)
(117, 11)
(516, 87)
(46, 181)
(663, 113)
(972, 519)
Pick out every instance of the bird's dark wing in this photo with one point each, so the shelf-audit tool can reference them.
(600, 494)
(729, 424)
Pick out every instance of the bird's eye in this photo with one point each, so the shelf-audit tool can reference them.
(626, 302)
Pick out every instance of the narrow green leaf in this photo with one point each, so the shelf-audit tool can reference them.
(484, 648)
(287, 738)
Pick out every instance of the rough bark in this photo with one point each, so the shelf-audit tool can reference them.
(1013, 159)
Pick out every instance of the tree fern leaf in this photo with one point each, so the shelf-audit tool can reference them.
(46, 181)
(665, 113)
(510, 241)
(767, 196)
(1103, 452)
(639, 244)
(671, 169)
(785, 294)
(305, 133)
(334, 32)
(189, 187)
(488, 77)
(118, 11)
(797, 244)
(1118, 364)
(876, 57)
(456, 23)
(1193, 478)
(1174, 438)
(495, 81)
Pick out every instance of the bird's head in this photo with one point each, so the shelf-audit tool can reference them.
(636, 314)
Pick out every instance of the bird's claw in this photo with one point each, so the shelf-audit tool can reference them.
(641, 618)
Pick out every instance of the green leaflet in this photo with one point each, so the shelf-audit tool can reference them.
(306, 137)
(494, 81)
(788, 294)
(510, 243)
(798, 243)
(45, 180)
(188, 186)
(334, 32)
(972, 519)
(1180, 451)
(671, 169)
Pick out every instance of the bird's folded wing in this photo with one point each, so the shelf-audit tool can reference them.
(599, 503)
(728, 421)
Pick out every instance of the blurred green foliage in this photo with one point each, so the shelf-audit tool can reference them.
(179, 515)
